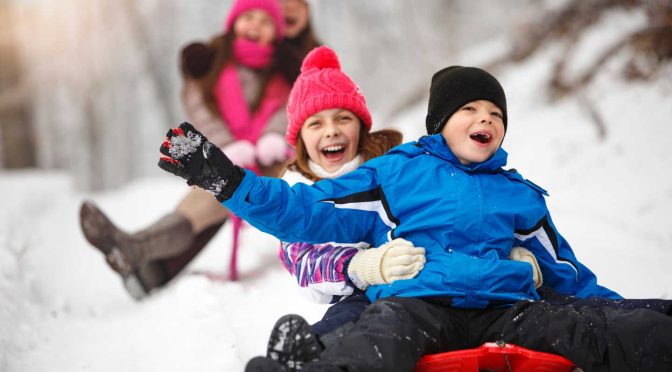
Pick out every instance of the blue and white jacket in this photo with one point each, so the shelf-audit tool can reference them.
(319, 269)
(468, 218)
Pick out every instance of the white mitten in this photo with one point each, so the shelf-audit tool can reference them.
(523, 255)
(395, 260)
(240, 152)
(271, 148)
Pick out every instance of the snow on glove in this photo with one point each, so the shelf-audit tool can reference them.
(271, 148)
(395, 260)
(188, 154)
(523, 255)
(240, 152)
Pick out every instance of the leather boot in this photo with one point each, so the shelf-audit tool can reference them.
(134, 256)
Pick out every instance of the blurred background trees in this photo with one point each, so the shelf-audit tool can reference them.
(90, 87)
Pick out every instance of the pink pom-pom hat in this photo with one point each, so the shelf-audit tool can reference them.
(322, 86)
(272, 7)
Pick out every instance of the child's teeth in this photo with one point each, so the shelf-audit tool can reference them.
(333, 148)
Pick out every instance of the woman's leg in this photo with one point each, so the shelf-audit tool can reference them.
(149, 258)
(202, 210)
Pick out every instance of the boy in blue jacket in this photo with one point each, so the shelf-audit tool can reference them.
(447, 192)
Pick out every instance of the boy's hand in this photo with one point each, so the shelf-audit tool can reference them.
(392, 261)
(523, 255)
(188, 154)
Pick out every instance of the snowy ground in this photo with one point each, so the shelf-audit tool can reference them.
(63, 310)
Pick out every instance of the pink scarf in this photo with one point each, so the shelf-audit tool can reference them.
(251, 54)
(230, 98)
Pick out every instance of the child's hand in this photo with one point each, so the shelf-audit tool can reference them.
(523, 255)
(196, 59)
(188, 154)
(392, 261)
(271, 149)
(241, 153)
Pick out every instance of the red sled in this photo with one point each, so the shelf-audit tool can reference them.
(494, 357)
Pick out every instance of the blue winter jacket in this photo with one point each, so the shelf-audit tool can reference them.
(468, 218)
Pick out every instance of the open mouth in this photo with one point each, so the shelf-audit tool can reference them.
(333, 152)
(481, 137)
(253, 38)
(290, 21)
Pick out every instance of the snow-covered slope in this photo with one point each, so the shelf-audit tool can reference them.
(63, 310)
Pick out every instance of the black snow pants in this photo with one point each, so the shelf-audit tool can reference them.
(393, 333)
(344, 313)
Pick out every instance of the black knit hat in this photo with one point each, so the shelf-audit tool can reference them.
(455, 86)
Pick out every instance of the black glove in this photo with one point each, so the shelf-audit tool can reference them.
(195, 59)
(190, 155)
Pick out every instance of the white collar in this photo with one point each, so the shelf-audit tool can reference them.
(346, 168)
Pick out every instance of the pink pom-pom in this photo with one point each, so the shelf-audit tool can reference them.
(321, 57)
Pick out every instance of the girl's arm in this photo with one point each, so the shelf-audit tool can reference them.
(320, 269)
(211, 125)
(339, 270)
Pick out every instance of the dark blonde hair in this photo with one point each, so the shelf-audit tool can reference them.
(371, 145)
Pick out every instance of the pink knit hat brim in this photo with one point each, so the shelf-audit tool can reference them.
(322, 86)
(272, 7)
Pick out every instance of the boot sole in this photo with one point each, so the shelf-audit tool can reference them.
(134, 286)
(292, 342)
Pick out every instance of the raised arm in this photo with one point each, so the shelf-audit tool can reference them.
(298, 213)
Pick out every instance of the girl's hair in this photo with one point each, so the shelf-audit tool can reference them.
(371, 145)
(305, 41)
(222, 45)
(293, 50)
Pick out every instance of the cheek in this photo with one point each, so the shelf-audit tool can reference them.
(238, 29)
(354, 143)
(311, 142)
(269, 34)
(303, 18)
(501, 133)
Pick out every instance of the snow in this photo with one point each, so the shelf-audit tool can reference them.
(64, 310)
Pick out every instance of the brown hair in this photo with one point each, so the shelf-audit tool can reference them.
(292, 51)
(306, 40)
(371, 145)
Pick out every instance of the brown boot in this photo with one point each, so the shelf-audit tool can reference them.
(174, 265)
(134, 256)
(146, 278)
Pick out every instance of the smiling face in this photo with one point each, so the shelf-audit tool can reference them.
(296, 17)
(255, 25)
(331, 138)
(475, 131)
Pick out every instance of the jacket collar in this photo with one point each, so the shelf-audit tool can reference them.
(436, 145)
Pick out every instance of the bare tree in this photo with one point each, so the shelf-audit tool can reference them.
(649, 46)
(16, 132)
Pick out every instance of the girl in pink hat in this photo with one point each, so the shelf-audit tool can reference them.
(235, 90)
